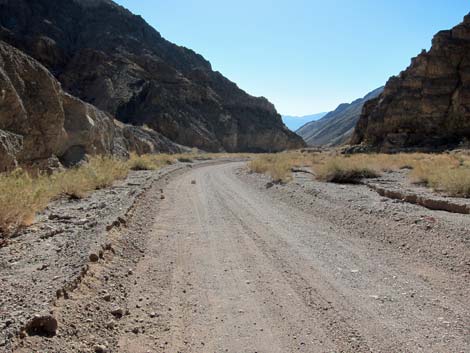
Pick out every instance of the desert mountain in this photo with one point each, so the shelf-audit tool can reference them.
(428, 104)
(336, 127)
(41, 125)
(112, 59)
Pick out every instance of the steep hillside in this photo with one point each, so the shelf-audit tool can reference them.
(42, 126)
(110, 58)
(427, 105)
(336, 127)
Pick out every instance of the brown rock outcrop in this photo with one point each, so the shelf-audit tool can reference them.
(110, 58)
(428, 105)
(40, 123)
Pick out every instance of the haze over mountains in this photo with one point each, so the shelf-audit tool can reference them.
(295, 122)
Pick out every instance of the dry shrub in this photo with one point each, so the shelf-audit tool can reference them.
(277, 166)
(156, 161)
(346, 170)
(22, 196)
(98, 173)
(446, 173)
(149, 162)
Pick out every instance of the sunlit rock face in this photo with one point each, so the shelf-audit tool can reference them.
(41, 126)
(428, 104)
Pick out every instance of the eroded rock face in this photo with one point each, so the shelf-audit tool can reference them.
(10, 146)
(114, 60)
(42, 126)
(428, 104)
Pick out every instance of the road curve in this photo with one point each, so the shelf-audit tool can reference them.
(244, 274)
(212, 263)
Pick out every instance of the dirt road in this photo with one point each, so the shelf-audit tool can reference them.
(219, 265)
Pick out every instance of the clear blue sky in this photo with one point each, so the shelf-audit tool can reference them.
(306, 56)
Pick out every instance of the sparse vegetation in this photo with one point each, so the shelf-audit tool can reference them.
(447, 172)
(22, 195)
(149, 161)
(345, 170)
(98, 173)
(277, 166)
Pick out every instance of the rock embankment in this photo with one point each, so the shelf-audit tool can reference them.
(428, 104)
(43, 126)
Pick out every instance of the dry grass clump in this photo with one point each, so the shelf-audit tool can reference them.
(346, 170)
(150, 161)
(327, 167)
(449, 173)
(22, 196)
(98, 173)
(277, 166)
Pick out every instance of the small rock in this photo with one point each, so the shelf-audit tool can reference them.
(193, 182)
(162, 197)
(135, 330)
(43, 267)
(94, 257)
(45, 325)
(107, 297)
(99, 348)
(117, 312)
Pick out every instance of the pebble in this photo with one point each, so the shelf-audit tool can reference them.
(118, 312)
(107, 297)
(99, 348)
(94, 257)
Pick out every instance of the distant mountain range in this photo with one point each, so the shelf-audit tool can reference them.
(336, 127)
(295, 122)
